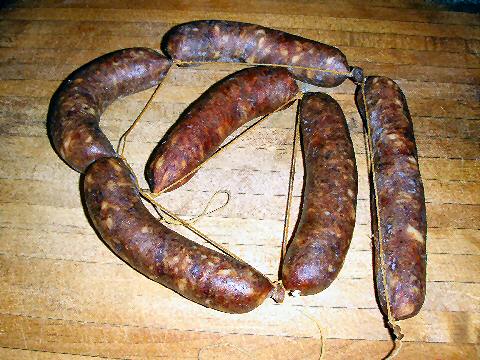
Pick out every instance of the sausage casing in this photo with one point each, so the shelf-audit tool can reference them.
(230, 41)
(196, 272)
(77, 105)
(207, 122)
(320, 243)
(399, 222)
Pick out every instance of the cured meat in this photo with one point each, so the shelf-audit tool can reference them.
(194, 271)
(201, 129)
(76, 107)
(231, 41)
(398, 202)
(320, 243)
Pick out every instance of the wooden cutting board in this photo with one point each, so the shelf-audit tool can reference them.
(65, 295)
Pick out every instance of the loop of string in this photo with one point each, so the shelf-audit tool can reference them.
(163, 210)
(329, 71)
(204, 212)
(397, 331)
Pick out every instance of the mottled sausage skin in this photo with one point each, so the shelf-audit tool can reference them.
(398, 191)
(230, 41)
(194, 271)
(77, 105)
(320, 243)
(208, 121)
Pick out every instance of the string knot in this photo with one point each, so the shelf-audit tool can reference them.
(356, 74)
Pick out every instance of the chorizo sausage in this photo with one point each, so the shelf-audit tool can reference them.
(196, 272)
(77, 105)
(230, 41)
(399, 221)
(222, 109)
(320, 243)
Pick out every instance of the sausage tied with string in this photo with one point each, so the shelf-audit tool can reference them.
(397, 199)
(206, 123)
(76, 107)
(194, 271)
(230, 41)
(321, 240)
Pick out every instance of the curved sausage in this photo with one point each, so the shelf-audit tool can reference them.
(135, 235)
(230, 41)
(77, 105)
(222, 109)
(320, 243)
(401, 224)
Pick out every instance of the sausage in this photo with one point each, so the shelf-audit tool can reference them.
(230, 41)
(320, 243)
(194, 271)
(399, 222)
(76, 107)
(222, 109)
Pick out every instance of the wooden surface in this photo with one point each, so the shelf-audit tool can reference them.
(64, 295)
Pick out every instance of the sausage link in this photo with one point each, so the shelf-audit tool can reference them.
(77, 105)
(222, 109)
(320, 243)
(230, 41)
(135, 235)
(401, 224)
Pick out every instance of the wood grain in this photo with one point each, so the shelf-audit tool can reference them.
(66, 296)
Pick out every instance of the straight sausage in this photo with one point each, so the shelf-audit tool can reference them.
(320, 243)
(231, 41)
(397, 201)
